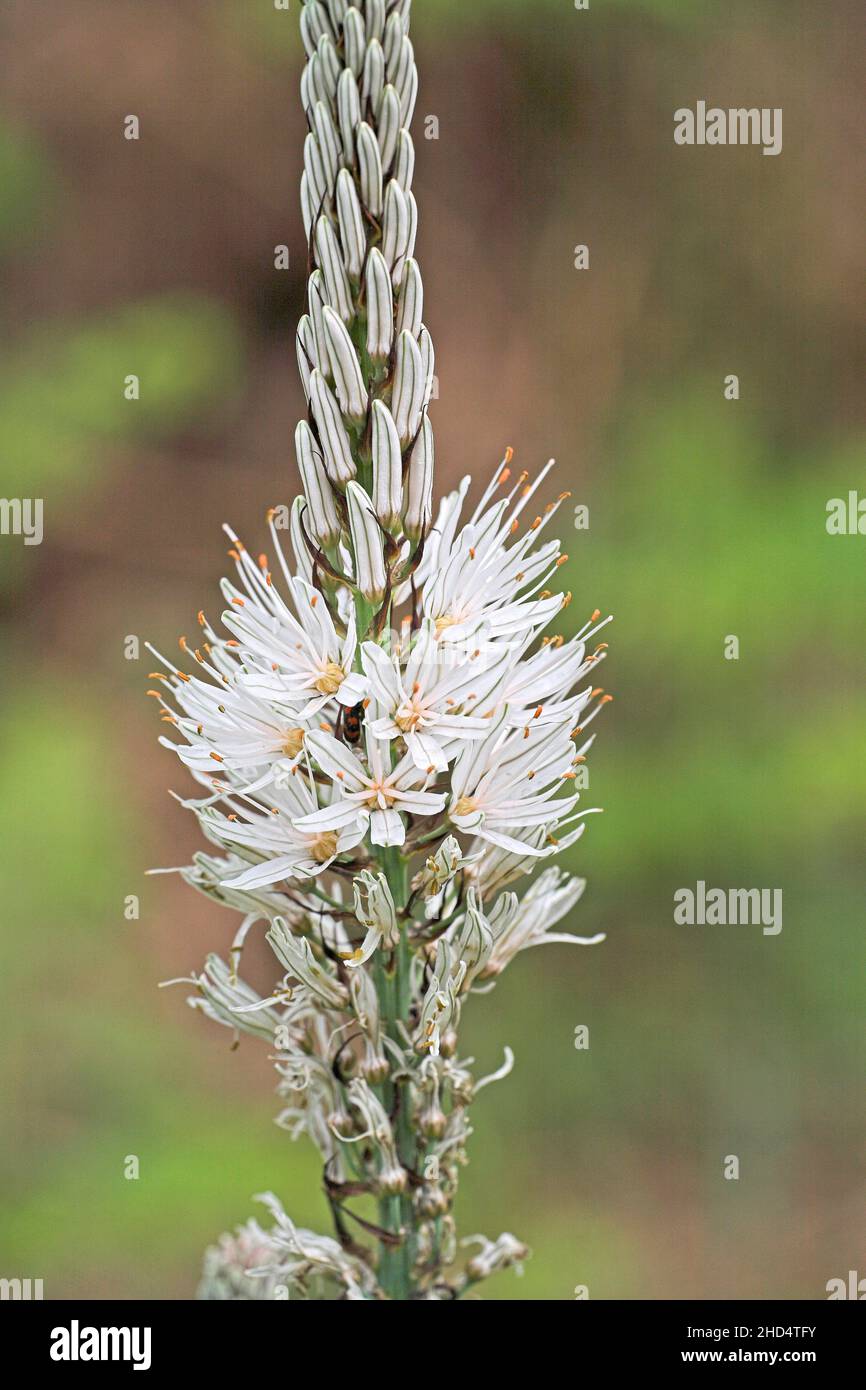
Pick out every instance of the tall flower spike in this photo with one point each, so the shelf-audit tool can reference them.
(386, 742)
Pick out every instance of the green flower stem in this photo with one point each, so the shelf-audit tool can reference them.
(394, 986)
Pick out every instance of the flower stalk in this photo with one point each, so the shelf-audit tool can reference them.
(387, 741)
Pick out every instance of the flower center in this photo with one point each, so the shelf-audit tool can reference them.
(447, 620)
(410, 716)
(294, 743)
(377, 792)
(325, 847)
(332, 677)
(465, 806)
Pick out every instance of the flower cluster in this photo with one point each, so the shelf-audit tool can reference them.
(386, 736)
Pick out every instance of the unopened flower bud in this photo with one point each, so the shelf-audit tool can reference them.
(322, 515)
(330, 260)
(431, 1201)
(370, 576)
(387, 468)
(392, 1181)
(432, 1120)
(380, 307)
(418, 493)
(336, 448)
(345, 369)
(407, 395)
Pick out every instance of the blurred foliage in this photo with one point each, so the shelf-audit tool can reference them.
(62, 398)
(27, 185)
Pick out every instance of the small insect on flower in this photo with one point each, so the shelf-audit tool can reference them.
(353, 720)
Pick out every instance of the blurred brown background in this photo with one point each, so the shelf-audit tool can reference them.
(156, 257)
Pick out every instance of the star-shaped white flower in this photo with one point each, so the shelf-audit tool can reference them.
(374, 795)
(438, 699)
(512, 782)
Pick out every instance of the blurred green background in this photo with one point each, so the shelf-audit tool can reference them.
(156, 257)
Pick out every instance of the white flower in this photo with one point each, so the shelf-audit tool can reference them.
(374, 795)
(427, 700)
(298, 1257)
(540, 686)
(294, 659)
(512, 783)
(482, 584)
(227, 1264)
(527, 922)
(276, 833)
(227, 1000)
(231, 729)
